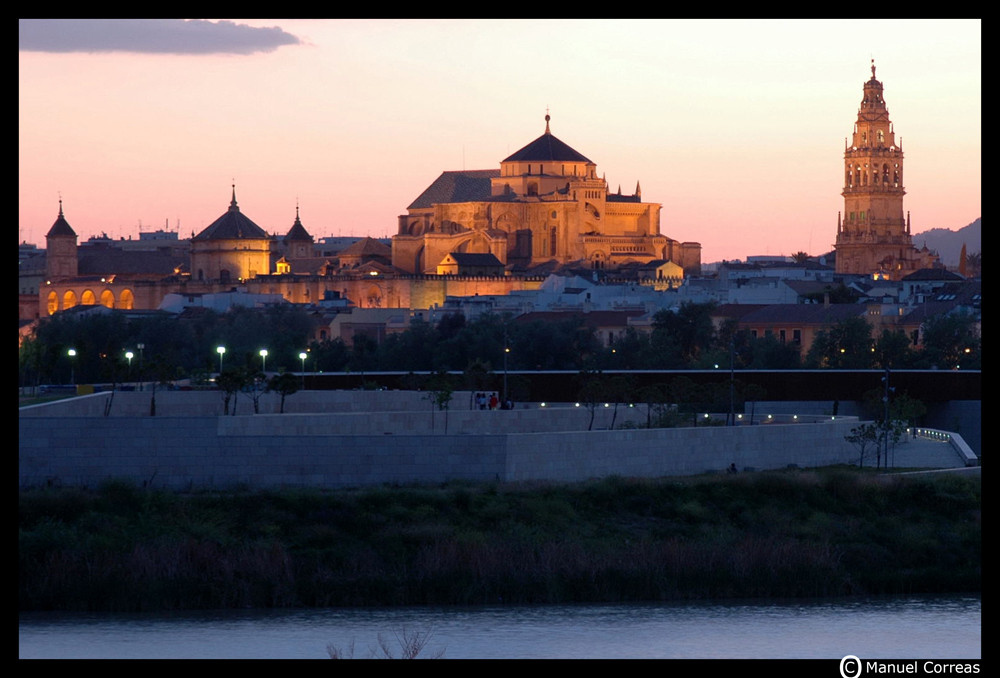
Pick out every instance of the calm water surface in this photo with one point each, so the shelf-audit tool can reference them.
(917, 627)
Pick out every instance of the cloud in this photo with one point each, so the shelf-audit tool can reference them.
(152, 36)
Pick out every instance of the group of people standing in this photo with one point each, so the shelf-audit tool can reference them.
(489, 401)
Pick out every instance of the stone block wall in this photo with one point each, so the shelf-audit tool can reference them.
(309, 450)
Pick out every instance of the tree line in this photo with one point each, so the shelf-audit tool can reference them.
(186, 346)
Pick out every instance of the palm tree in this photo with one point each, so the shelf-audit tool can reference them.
(974, 264)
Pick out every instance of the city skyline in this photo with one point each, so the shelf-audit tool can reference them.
(737, 127)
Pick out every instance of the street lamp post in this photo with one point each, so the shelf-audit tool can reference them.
(263, 360)
(221, 350)
(128, 356)
(72, 366)
(506, 350)
(732, 380)
(140, 347)
(302, 357)
(885, 414)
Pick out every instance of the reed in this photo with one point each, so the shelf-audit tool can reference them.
(783, 534)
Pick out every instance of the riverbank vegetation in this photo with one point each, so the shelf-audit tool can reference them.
(829, 532)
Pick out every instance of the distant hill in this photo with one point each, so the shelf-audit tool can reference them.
(948, 244)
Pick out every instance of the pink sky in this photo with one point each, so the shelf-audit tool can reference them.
(736, 127)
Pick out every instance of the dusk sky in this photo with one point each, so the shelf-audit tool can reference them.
(737, 127)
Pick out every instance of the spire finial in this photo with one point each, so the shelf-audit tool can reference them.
(547, 118)
(873, 68)
(232, 204)
(60, 205)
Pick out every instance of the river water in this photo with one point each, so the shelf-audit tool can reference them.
(909, 627)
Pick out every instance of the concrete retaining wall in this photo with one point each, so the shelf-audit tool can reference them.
(337, 449)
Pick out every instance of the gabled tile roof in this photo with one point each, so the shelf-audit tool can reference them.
(475, 259)
(106, 261)
(932, 274)
(457, 186)
(367, 246)
(806, 314)
(735, 311)
(803, 287)
(590, 319)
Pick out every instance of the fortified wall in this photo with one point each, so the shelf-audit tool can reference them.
(355, 438)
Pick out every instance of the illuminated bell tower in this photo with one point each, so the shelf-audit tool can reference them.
(873, 235)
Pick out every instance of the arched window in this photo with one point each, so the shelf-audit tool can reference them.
(52, 303)
(69, 299)
(107, 299)
(88, 298)
(127, 300)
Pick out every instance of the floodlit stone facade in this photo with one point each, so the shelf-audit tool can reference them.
(544, 205)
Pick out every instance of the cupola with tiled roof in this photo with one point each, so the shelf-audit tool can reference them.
(232, 248)
(545, 166)
(298, 242)
(233, 225)
(60, 249)
(61, 228)
(297, 231)
(547, 148)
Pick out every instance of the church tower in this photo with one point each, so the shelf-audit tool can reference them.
(873, 235)
(298, 242)
(60, 249)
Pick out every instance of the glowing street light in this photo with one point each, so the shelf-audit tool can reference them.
(263, 360)
(72, 365)
(302, 357)
(221, 351)
(128, 356)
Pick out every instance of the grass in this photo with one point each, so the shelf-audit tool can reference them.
(810, 533)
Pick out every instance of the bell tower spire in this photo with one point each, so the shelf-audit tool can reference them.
(873, 237)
